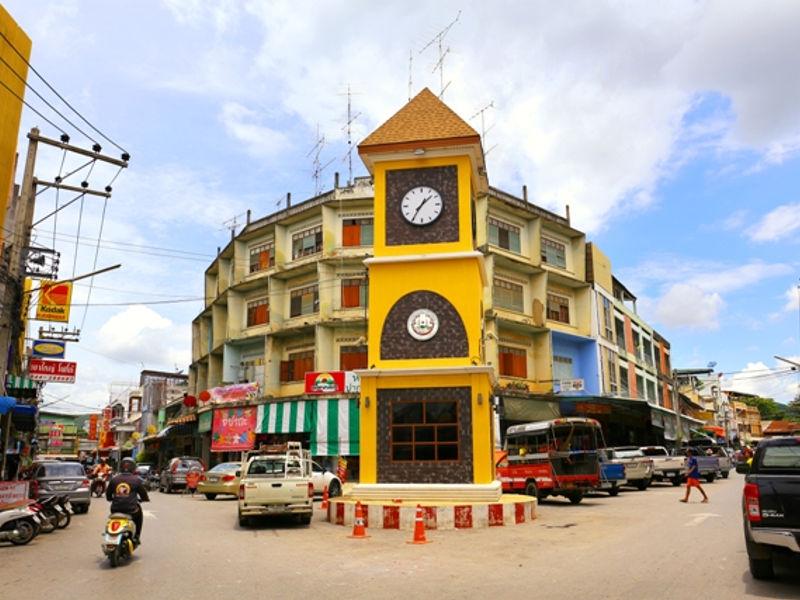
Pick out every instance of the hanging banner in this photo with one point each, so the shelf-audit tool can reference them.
(332, 382)
(232, 393)
(93, 427)
(56, 436)
(48, 349)
(54, 301)
(58, 371)
(13, 493)
(233, 429)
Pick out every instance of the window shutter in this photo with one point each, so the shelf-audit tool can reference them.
(351, 235)
(350, 295)
(285, 368)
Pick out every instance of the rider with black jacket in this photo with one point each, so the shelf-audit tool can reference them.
(125, 491)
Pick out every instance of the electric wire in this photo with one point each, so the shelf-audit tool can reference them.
(21, 99)
(70, 236)
(78, 235)
(60, 97)
(94, 264)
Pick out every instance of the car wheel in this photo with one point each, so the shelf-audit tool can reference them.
(761, 568)
(530, 490)
(725, 474)
(642, 484)
(334, 489)
(210, 496)
(676, 481)
(243, 521)
(304, 519)
(575, 497)
(614, 490)
(710, 477)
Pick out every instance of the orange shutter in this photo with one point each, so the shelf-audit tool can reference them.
(351, 235)
(350, 296)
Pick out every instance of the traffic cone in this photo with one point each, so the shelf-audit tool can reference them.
(359, 529)
(419, 528)
(324, 505)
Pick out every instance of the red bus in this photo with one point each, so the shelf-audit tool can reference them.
(552, 458)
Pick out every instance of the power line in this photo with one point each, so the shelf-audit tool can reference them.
(52, 89)
(151, 302)
(132, 245)
(21, 99)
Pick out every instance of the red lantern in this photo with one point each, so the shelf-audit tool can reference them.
(205, 396)
(189, 401)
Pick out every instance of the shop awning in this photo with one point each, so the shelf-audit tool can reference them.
(333, 423)
(21, 387)
(6, 404)
(164, 432)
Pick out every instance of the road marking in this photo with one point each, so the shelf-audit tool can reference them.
(699, 518)
(149, 514)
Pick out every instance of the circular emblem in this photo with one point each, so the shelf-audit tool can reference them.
(423, 324)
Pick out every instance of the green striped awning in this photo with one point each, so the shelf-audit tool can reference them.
(21, 387)
(332, 423)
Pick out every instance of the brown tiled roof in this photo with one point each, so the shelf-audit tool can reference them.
(424, 118)
(782, 427)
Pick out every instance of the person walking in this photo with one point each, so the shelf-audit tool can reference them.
(693, 477)
(192, 480)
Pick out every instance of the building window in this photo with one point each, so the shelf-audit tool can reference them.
(354, 292)
(647, 347)
(619, 325)
(640, 392)
(651, 391)
(558, 308)
(504, 235)
(508, 295)
(258, 312)
(352, 357)
(424, 431)
(562, 367)
(608, 332)
(624, 390)
(658, 356)
(554, 253)
(637, 343)
(513, 362)
(612, 371)
(357, 232)
(262, 257)
(304, 301)
(307, 242)
(295, 368)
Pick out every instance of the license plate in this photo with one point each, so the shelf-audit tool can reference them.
(213, 479)
(112, 539)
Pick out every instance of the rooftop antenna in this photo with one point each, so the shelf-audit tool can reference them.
(482, 114)
(231, 224)
(410, 73)
(351, 118)
(439, 39)
(318, 167)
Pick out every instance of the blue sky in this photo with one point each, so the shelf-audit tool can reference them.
(672, 132)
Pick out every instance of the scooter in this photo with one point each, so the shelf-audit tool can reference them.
(118, 537)
(19, 525)
(99, 483)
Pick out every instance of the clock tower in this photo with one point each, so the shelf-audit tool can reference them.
(425, 408)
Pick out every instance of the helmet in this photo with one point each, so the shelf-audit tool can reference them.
(128, 465)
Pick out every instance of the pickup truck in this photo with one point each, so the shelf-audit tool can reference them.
(638, 467)
(612, 475)
(707, 465)
(665, 466)
(277, 482)
(771, 503)
(725, 461)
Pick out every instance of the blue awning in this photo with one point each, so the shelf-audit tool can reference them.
(24, 409)
(6, 404)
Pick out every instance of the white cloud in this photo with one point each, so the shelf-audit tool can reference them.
(769, 382)
(245, 125)
(792, 296)
(139, 334)
(684, 305)
(776, 224)
(736, 220)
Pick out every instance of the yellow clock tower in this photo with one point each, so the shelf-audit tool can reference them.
(425, 408)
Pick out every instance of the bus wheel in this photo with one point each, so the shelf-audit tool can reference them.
(530, 490)
(575, 497)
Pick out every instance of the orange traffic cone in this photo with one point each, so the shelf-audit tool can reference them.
(324, 505)
(359, 529)
(419, 528)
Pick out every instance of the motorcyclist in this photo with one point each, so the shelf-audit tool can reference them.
(101, 469)
(125, 491)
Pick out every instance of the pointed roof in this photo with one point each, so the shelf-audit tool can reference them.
(425, 121)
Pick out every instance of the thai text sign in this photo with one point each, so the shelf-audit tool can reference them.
(13, 493)
(332, 382)
(233, 429)
(59, 371)
(93, 427)
(56, 436)
(54, 301)
(231, 393)
(48, 349)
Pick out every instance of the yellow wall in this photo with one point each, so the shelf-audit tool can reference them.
(601, 265)
(10, 106)
(482, 430)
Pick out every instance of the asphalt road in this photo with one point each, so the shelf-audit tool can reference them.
(638, 545)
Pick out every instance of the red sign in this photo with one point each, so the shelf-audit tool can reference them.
(58, 371)
(13, 493)
(231, 393)
(233, 429)
(93, 427)
(56, 437)
(325, 382)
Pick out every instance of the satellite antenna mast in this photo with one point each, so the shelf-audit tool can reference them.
(317, 166)
(482, 114)
(438, 39)
(410, 73)
(351, 118)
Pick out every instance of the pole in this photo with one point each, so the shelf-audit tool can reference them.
(676, 406)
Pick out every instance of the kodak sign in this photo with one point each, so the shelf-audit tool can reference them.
(54, 301)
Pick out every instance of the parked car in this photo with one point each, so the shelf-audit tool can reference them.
(612, 475)
(725, 460)
(322, 477)
(638, 467)
(55, 478)
(771, 503)
(222, 479)
(665, 466)
(145, 471)
(173, 476)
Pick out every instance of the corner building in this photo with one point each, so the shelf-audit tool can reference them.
(449, 298)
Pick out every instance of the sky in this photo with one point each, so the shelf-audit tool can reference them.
(672, 131)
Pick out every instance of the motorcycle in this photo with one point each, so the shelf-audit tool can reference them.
(19, 525)
(118, 544)
(99, 484)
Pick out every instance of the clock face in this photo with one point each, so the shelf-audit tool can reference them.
(421, 205)
(423, 324)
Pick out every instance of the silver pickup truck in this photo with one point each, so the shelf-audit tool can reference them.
(665, 466)
(277, 482)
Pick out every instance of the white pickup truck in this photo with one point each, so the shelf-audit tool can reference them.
(638, 467)
(665, 467)
(277, 482)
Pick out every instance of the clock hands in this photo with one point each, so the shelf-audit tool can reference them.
(421, 204)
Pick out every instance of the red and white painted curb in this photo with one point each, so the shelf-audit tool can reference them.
(465, 516)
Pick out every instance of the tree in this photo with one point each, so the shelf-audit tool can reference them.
(793, 409)
(768, 408)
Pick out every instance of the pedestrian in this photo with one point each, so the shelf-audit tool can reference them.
(192, 479)
(693, 477)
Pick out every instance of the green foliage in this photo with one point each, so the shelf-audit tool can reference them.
(768, 408)
(146, 457)
(793, 409)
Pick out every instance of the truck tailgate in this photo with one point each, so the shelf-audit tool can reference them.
(275, 491)
(780, 501)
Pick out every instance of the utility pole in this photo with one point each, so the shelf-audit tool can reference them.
(677, 374)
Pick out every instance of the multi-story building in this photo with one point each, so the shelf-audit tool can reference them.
(747, 417)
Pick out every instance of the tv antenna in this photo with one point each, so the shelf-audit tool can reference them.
(318, 167)
(231, 224)
(410, 73)
(351, 118)
(484, 130)
(438, 39)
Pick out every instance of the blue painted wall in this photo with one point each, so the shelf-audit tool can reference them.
(583, 353)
